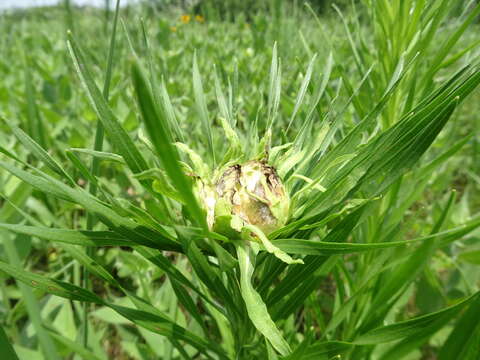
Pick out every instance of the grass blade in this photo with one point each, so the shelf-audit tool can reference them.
(5, 347)
(119, 137)
(138, 234)
(201, 104)
(40, 153)
(74, 237)
(47, 346)
(410, 327)
(462, 343)
(157, 128)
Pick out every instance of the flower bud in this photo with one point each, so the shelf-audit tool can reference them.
(253, 194)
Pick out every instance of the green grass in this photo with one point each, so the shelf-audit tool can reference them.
(368, 112)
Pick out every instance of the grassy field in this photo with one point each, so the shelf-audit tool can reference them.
(129, 142)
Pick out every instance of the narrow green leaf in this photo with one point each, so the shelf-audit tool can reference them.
(320, 248)
(100, 155)
(138, 234)
(175, 275)
(74, 347)
(8, 212)
(256, 308)
(170, 112)
(35, 126)
(222, 101)
(51, 286)
(406, 272)
(84, 171)
(302, 91)
(74, 237)
(207, 273)
(464, 341)
(274, 88)
(327, 350)
(410, 327)
(158, 130)
(165, 327)
(5, 347)
(201, 104)
(90, 264)
(39, 152)
(149, 320)
(297, 274)
(451, 41)
(119, 137)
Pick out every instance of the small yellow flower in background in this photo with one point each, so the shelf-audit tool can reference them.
(173, 28)
(52, 256)
(185, 19)
(200, 18)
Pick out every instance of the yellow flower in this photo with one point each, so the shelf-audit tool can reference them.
(200, 18)
(52, 256)
(185, 19)
(173, 28)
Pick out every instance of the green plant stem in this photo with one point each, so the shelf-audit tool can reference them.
(69, 16)
(95, 167)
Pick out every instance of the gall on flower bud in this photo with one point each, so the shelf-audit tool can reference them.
(251, 193)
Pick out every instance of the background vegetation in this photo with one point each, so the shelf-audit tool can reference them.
(390, 239)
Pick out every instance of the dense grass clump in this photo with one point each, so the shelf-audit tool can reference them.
(280, 181)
